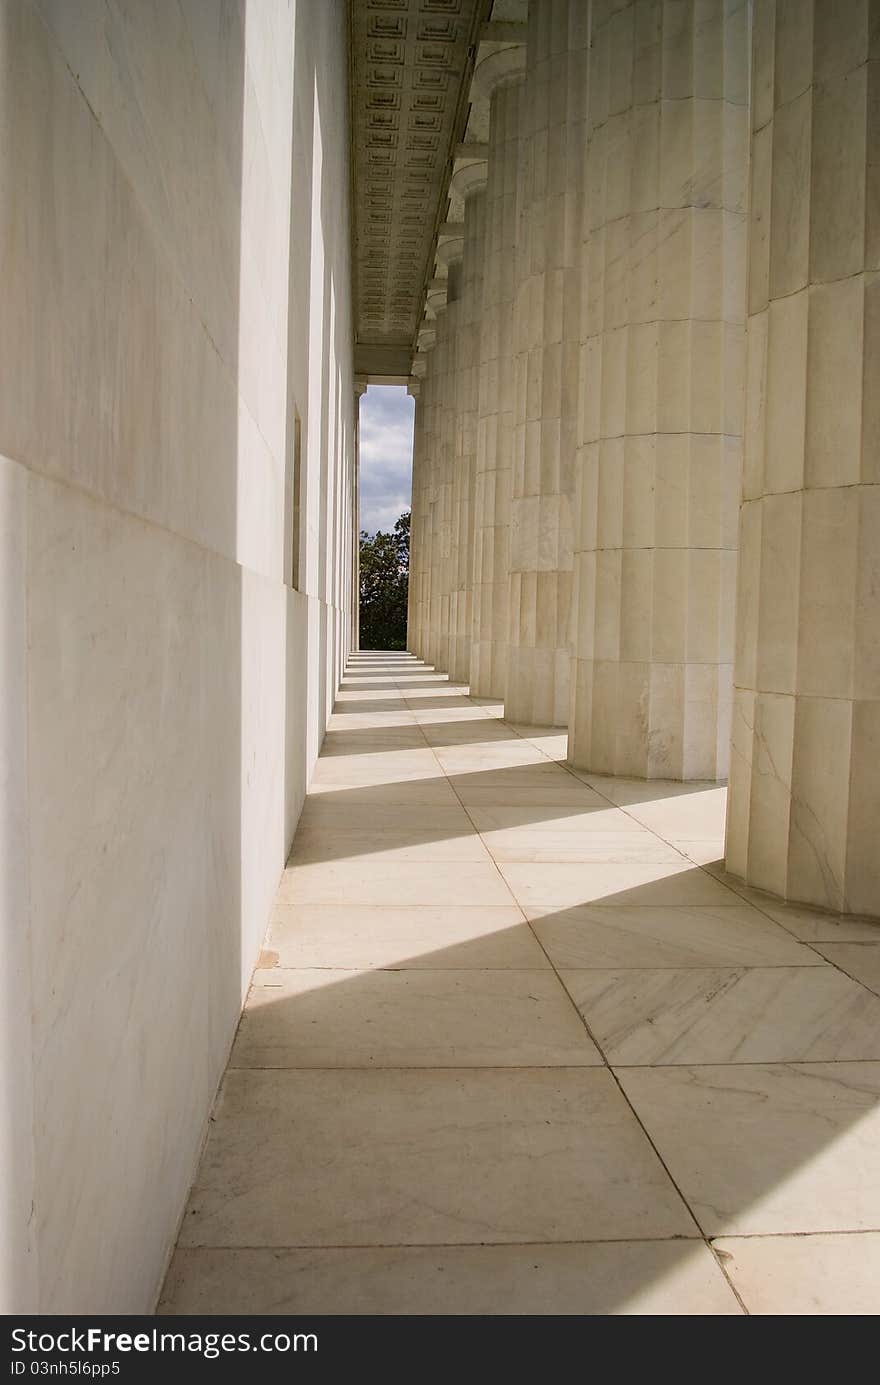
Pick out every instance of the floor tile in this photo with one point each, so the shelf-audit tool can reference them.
(811, 926)
(693, 811)
(409, 791)
(588, 847)
(757, 1015)
(471, 731)
(356, 936)
(350, 722)
(424, 1124)
(551, 740)
(383, 767)
(536, 792)
(529, 823)
(505, 757)
(439, 1156)
(373, 740)
(434, 699)
(859, 960)
(409, 1019)
(805, 1276)
(767, 1148)
(592, 935)
(624, 1278)
(336, 813)
(541, 777)
(564, 885)
(315, 844)
(395, 882)
(703, 853)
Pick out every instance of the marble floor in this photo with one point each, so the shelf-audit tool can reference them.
(517, 1044)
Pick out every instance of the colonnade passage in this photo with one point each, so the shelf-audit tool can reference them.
(645, 490)
(517, 1044)
(570, 996)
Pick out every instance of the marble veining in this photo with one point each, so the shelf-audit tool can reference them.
(469, 1011)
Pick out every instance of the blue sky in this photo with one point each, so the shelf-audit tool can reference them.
(386, 428)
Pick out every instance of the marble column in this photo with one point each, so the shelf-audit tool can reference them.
(468, 184)
(360, 389)
(416, 515)
(498, 78)
(423, 460)
(546, 319)
(434, 558)
(424, 548)
(444, 558)
(660, 427)
(804, 811)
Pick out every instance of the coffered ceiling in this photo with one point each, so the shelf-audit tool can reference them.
(410, 64)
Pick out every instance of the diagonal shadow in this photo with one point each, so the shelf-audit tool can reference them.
(518, 1082)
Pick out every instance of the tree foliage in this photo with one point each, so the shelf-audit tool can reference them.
(384, 587)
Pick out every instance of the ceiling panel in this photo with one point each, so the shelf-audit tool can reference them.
(410, 61)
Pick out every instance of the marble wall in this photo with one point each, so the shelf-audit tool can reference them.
(175, 311)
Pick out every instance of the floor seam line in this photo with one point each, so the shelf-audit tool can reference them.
(702, 1235)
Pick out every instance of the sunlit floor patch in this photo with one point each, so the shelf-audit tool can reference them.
(517, 1044)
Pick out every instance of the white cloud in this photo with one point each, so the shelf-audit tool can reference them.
(386, 429)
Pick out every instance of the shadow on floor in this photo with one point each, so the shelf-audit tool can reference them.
(479, 1075)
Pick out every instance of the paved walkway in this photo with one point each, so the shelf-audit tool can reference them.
(517, 1045)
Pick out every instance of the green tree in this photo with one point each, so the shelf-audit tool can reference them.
(384, 587)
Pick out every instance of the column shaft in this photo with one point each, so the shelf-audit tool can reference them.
(467, 379)
(436, 574)
(547, 335)
(446, 558)
(494, 457)
(660, 427)
(428, 404)
(804, 809)
(416, 523)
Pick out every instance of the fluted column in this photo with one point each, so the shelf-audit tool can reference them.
(660, 428)
(804, 811)
(360, 389)
(430, 365)
(547, 335)
(422, 546)
(499, 77)
(435, 563)
(446, 565)
(416, 520)
(468, 182)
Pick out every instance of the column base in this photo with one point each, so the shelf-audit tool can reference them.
(651, 720)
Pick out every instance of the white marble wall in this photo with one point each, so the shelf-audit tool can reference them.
(547, 323)
(167, 305)
(659, 452)
(804, 814)
(494, 455)
(18, 1257)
